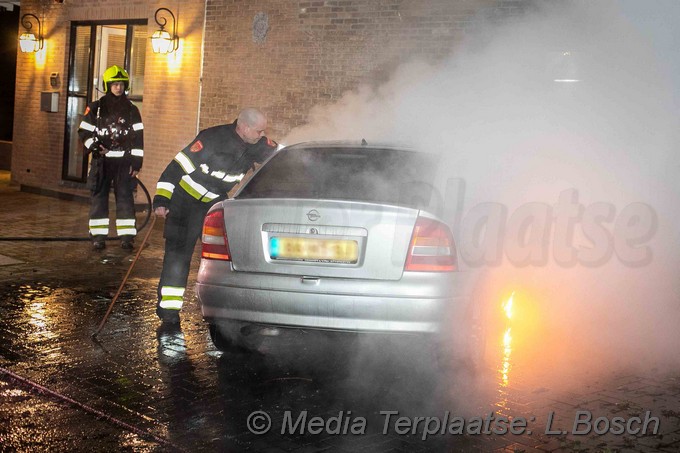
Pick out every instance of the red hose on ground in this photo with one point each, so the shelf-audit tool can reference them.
(122, 284)
(44, 390)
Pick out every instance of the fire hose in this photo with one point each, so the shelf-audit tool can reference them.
(87, 238)
(44, 390)
(122, 284)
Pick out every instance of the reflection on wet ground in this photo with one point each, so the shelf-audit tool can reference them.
(173, 385)
(34, 422)
(175, 388)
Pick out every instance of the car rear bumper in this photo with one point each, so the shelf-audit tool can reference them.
(344, 312)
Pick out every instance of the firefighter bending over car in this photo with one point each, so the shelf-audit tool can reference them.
(112, 131)
(200, 175)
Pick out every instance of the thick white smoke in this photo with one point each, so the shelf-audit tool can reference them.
(571, 183)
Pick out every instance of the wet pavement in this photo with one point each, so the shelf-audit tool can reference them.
(140, 387)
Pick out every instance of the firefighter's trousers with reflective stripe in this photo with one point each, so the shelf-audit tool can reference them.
(183, 227)
(115, 172)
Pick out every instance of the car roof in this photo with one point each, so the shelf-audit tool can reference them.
(352, 144)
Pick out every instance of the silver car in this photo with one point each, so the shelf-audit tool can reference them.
(332, 236)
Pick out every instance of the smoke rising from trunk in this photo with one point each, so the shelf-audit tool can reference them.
(570, 98)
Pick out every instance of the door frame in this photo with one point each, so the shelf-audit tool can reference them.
(93, 24)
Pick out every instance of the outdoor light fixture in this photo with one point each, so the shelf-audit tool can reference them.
(161, 40)
(27, 41)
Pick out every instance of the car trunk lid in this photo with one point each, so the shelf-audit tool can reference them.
(315, 238)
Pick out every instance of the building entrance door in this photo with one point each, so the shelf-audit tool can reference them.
(96, 46)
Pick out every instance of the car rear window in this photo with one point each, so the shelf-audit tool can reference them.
(373, 175)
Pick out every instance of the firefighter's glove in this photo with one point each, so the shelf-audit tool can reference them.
(161, 211)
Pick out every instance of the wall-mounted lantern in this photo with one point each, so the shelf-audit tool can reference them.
(28, 41)
(161, 40)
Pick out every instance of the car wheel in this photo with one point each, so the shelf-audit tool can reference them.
(465, 352)
(476, 350)
(248, 338)
(233, 336)
(222, 342)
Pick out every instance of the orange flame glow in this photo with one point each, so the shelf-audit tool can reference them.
(507, 306)
(507, 350)
(507, 343)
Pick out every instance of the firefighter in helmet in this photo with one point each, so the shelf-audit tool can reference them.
(113, 133)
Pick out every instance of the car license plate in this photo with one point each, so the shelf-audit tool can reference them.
(314, 250)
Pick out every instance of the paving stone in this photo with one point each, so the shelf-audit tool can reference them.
(185, 392)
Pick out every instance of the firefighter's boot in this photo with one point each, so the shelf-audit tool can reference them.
(127, 242)
(98, 242)
(168, 316)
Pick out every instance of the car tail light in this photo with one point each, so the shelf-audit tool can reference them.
(214, 244)
(432, 248)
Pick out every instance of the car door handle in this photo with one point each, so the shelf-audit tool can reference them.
(310, 280)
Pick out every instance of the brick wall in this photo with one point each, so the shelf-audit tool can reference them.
(313, 52)
(171, 88)
(316, 50)
(38, 137)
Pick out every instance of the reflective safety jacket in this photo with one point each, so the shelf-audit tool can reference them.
(211, 165)
(115, 123)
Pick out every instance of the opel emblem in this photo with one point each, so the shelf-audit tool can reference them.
(313, 215)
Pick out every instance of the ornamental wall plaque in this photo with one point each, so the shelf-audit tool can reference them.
(260, 28)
